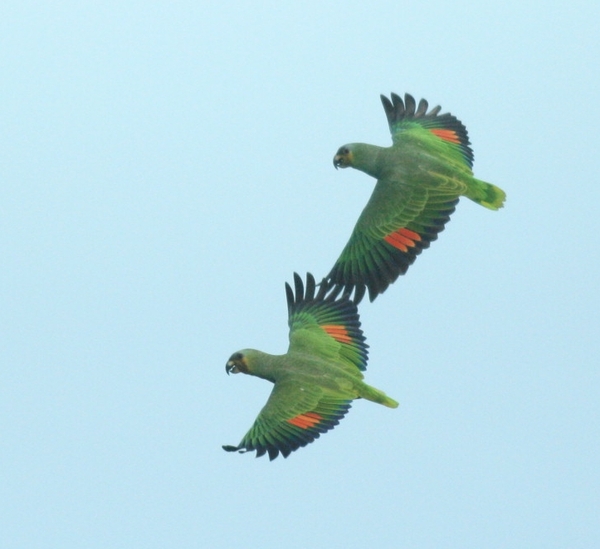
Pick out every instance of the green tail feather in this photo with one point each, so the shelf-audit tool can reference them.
(389, 402)
(375, 395)
(486, 194)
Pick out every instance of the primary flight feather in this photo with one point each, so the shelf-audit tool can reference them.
(419, 181)
(316, 380)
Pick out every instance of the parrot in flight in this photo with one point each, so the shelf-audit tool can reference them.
(316, 380)
(419, 181)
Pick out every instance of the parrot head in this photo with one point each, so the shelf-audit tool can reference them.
(343, 158)
(237, 363)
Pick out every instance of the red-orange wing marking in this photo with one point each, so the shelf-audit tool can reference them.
(338, 332)
(402, 239)
(306, 420)
(446, 135)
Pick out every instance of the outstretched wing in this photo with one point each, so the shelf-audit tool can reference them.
(409, 207)
(325, 325)
(295, 415)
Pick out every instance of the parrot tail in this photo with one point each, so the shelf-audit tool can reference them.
(375, 395)
(486, 194)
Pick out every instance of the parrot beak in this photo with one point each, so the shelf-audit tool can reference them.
(342, 158)
(236, 364)
(231, 367)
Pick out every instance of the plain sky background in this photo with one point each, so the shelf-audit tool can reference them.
(166, 166)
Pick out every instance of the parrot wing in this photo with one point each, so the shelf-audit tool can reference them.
(295, 415)
(325, 326)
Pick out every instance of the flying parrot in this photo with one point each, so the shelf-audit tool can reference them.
(419, 181)
(316, 380)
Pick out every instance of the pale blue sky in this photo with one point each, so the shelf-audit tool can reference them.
(166, 166)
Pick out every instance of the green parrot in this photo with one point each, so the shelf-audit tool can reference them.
(316, 380)
(419, 181)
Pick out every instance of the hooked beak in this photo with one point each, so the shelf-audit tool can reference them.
(337, 161)
(231, 367)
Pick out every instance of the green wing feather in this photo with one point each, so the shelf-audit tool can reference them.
(410, 206)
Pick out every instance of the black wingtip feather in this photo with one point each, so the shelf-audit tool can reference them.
(399, 108)
(229, 448)
(388, 107)
(422, 109)
(299, 285)
(359, 293)
(409, 104)
(310, 286)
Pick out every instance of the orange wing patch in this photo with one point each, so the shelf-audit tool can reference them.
(403, 239)
(446, 135)
(338, 332)
(304, 421)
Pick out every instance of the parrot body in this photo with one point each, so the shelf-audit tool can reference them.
(316, 380)
(419, 181)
